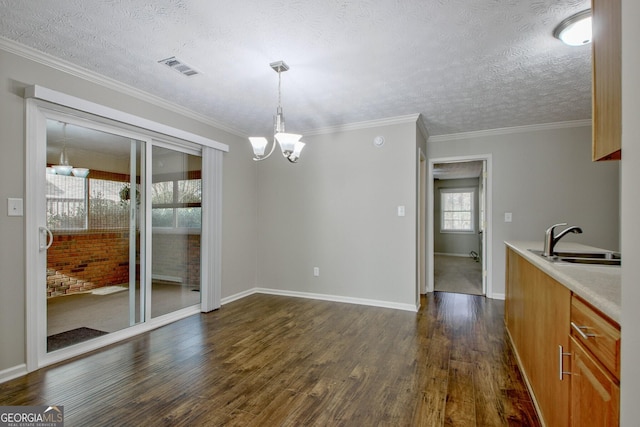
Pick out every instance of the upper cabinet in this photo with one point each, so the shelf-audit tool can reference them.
(607, 110)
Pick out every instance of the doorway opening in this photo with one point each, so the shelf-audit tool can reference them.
(458, 253)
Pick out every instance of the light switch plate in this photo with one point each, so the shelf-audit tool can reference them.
(400, 210)
(15, 207)
(508, 217)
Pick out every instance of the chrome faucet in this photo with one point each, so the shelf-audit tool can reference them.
(550, 239)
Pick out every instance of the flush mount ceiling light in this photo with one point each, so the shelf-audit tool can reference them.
(290, 143)
(576, 29)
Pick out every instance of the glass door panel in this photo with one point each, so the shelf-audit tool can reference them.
(176, 220)
(93, 209)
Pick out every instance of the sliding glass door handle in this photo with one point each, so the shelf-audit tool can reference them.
(46, 238)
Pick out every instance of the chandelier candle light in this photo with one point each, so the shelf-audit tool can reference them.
(290, 143)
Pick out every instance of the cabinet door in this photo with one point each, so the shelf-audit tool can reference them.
(537, 317)
(595, 395)
(607, 71)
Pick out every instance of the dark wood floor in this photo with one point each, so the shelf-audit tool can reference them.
(270, 360)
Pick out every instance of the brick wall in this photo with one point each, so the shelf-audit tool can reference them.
(78, 262)
(81, 262)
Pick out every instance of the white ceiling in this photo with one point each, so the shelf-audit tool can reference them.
(465, 65)
(457, 170)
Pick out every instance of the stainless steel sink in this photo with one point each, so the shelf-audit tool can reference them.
(576, 257)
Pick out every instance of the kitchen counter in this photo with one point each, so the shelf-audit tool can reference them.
(599, 285)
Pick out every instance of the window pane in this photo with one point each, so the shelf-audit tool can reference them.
(457, 210)
(190, 191)
(162, 217)
(162, 192)
(108, 204)
(66, 202)
(189, 217)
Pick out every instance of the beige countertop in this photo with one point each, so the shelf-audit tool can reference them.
(597, 284)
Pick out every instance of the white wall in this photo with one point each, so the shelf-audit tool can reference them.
(543, 177)
(630, 206)
(336, 209)
(240, 174)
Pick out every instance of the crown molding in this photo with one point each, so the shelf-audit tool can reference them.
(510, 130)
(411, 118)
(107, 82)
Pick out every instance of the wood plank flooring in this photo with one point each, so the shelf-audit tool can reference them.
(277, 361)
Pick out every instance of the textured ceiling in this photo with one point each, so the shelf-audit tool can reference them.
(457, 170)
(465, 65)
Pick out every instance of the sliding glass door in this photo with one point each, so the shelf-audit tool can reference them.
(123, 225)
(100, 183)
(176, 220)
(95, 217)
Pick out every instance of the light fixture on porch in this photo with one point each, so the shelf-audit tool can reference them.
(290, 143)
(576, 29)
(63, 167)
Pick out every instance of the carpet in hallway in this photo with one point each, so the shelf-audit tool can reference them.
(459, 275)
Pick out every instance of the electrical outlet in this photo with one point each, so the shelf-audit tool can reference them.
(508, 217)
(316, 271)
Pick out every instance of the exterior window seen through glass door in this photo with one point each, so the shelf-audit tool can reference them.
(176, 220)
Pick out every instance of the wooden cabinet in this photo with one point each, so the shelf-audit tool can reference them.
(595, 367)
(537, 318)
(607, 76)
(568, 352)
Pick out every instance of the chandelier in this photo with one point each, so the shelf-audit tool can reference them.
(290, 143)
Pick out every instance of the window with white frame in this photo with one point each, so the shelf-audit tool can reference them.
(177, 202)
(456, 210)
(75, 203)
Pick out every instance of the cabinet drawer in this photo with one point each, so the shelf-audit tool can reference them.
(598, 334)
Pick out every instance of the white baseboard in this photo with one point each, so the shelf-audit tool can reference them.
(235, 297)
(11, 373)
(458, 255)
(177, 280)
(498, 296)
(322, 297)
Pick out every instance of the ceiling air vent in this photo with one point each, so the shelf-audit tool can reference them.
(179, 66)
